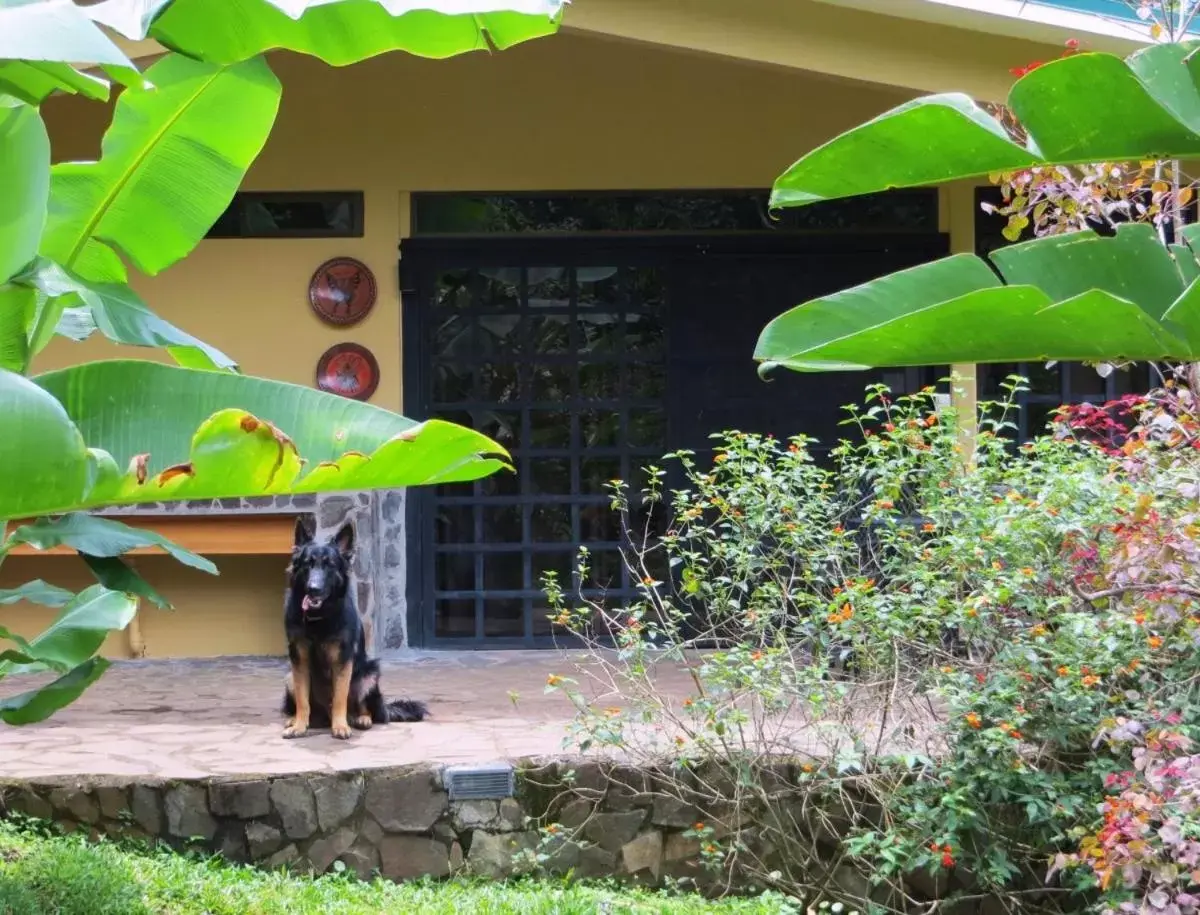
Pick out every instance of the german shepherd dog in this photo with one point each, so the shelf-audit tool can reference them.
(332, 682)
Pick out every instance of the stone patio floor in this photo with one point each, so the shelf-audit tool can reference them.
(195, 718)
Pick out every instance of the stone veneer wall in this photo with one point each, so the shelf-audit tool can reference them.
(397, 821)
(379, 560)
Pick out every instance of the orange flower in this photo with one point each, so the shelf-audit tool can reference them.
(972, 612)
(997, 565)
(1037, 630)
(890, 427)
(1090, 680)
(612, 711)
(1154, 641)
(1027, 571)
(553, 680)
(947, 669)
(1014, 734)
(757, 656)
(1139, 618)
(689, 702)
(793, 447)
(1063, 670)
(698, 826)
(928, 528)
(552, 828)
(885, 503)
(974, 721)
(808, 767)
(721, 458)
(838, 529)
(931, 420)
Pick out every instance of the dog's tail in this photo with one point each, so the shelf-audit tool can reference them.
(407, 710)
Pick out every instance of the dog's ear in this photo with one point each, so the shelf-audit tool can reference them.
(344, 540)
(304, 534)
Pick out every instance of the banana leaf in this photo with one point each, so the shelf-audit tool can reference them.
(39, 42)
(1079, 296)
(339, 32)
(1084, 108)
(125, 431)
(170, 163)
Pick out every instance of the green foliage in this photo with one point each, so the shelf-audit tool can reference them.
(1075, 296)
(1083, 108)
(24, 184)
(339, 32)
(41, 43)
(935, 655)
(43, 873)
(179, 145)
(172, 160)
(65, 647)
(1069, 297)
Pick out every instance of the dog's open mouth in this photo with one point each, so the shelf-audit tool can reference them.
(311, 603)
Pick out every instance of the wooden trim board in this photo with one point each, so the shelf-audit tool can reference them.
(208, 535)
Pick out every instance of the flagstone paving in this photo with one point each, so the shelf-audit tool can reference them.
(196, 718)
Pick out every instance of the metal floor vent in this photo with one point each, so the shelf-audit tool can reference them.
(477, 783)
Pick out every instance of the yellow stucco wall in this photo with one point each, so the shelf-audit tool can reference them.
(571, 112)
(237, 612)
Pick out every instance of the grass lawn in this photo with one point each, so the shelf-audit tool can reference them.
(43, 873)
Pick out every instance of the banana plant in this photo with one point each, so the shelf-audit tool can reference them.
(1077, 296)
(182, 137)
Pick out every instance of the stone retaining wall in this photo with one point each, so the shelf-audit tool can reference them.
(397, 821)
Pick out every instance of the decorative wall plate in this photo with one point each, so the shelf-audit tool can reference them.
(342, 291)
(349, 370)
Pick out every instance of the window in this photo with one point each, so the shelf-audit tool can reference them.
(668, 211)
(566, 367)
(292, 214)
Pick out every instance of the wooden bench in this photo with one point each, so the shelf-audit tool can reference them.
(208, 535)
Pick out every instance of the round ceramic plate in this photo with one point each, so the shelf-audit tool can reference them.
(342, 291)
(349, 370)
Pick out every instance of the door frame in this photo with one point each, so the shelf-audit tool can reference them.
(423, 257)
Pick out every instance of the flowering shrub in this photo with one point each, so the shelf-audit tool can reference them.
(883, 679)
(1146, 853)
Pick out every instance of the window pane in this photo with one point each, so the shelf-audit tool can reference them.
(454, 619)
(504, 617)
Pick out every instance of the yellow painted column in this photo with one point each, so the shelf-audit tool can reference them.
(957, 216)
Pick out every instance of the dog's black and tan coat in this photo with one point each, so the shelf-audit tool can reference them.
(332, 682)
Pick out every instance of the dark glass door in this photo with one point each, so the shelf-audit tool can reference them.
(589, 360)
(722, 300)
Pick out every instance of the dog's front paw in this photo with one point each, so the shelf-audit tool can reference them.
(294, 729)
(340, 730)
(362, 722)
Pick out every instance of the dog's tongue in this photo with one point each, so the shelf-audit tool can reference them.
(307, 604)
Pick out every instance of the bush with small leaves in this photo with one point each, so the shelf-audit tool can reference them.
(882, 679)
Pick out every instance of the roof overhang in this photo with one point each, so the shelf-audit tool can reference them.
(1108, 25)
(920, 46)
